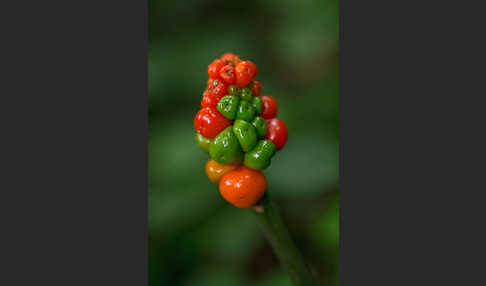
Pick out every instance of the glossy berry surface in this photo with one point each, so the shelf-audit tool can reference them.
(215, 170)
(231, 59)
(277, 132)
(269, 109)
(214, 68)
(260, 157)
(234, 90)
(227, 74)
(256, 87)
(260, 125)
(257, 102)
(209, 122)
(228, 106)
(217, 88)
(243, 187)
(245, 71)
(203, 142)
(246, 94)
(245, 111)
(246, 134)
(209, 100)
(225, 148)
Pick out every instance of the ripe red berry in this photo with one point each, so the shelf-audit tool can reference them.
(269, 109)
(245, 71)
(217, 88)
(277, 132)
(256, 87)
(209, 100)
(214, 67)
(253, 68)
(209, 122)
(227, 73)
(230, 59)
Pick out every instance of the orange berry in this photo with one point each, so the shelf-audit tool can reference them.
(215, 170)
(243, 187)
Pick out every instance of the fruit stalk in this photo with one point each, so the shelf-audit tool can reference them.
(277, 234)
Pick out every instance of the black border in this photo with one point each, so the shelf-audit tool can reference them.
(74, 190)
(411, 143)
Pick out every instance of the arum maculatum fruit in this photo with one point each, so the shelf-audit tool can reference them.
(246, 94)
(228, 106)
(203, 142)
(246, 134)
(245, 111)
(225, 148)
(257, 102)
(234, 90)
(260, 125)
(259, 157)
(239, 129)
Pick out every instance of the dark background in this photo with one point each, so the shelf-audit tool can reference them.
(195, 237)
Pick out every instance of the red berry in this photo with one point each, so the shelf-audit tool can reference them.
(245, 71)
(269, 109)
(214, 67)
(256, 87)
(253, 68)
(227, 73)
(276, 132)
(217, 88)
(230, 59)
(209, 122)
(209, 99)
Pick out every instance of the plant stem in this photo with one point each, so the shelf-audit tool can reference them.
(277, 234)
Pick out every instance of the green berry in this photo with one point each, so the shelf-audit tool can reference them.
(225, 148)
(245, 111)
(234, 90)
(257, 102)
(228, 105)
(260, 156)
(203, 142)
(246, 134)
(246, 94)
(261, 126)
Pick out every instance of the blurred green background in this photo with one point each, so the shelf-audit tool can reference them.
(195, 237)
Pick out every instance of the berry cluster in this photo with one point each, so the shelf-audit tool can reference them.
(238, 127)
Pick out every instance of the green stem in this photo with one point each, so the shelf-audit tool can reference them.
(275, 231)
